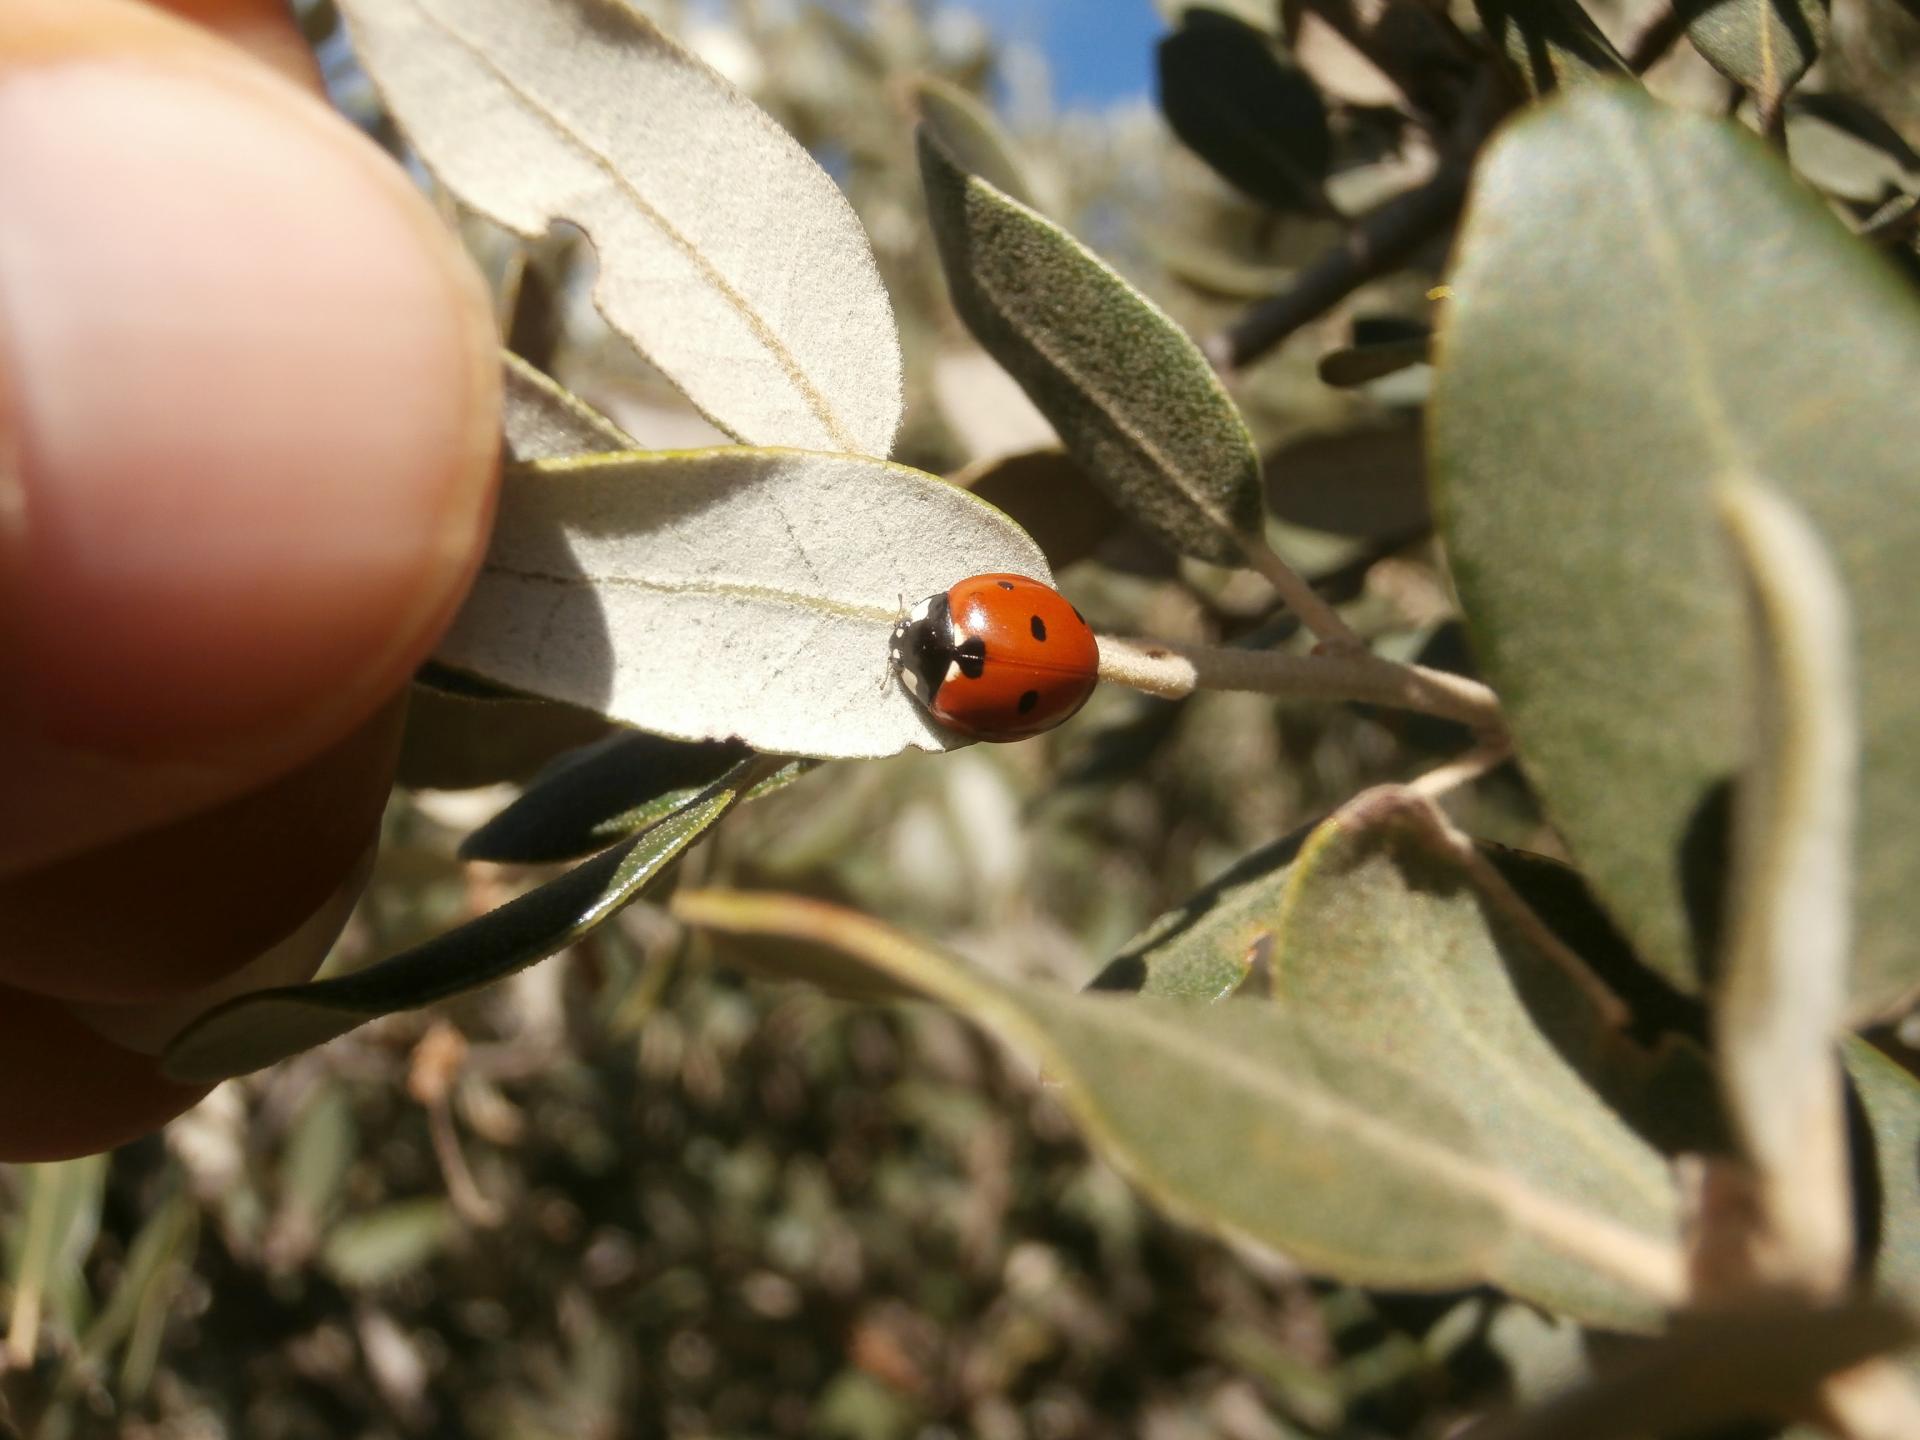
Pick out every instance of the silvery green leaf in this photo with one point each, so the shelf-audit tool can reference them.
(726, 254)
(731, 594)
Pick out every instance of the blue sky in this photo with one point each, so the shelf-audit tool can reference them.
(1100, 50)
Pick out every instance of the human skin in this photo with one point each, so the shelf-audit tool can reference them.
(249, 414)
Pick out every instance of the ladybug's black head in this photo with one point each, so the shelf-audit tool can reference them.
(922, 648)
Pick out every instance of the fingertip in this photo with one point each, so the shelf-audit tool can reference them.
(247, 444)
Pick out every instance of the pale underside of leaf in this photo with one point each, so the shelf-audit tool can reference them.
(727, 594)
(542, 421)
(1782, 989)
(726, 254)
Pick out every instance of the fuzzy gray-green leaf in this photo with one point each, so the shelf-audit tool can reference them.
(1131, 395)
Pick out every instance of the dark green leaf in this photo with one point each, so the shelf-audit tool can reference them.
(457, 741)
(269, 1025)
(1890, 1097)
(1624, 261)
(1135, 401)
(1359, 364)
(1258, 122)
(593, 797)
(1206, 948)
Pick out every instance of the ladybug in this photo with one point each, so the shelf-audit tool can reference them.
(997, 657)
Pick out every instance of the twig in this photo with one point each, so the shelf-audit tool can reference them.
(1170, 670)
(1379, 242)
(1465, 768)
(1893, 223)
(1314, 612)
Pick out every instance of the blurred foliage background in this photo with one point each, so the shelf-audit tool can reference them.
(633, 1193)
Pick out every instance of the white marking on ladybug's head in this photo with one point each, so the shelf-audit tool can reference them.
(953, 673)
(922, 610)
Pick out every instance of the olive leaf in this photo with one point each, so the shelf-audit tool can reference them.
(1550, 44)
(1368, 481)
(600, 795)
(1621, 258)
(970, 133)
(1258, 122)
(731, 594)
(1890, 1099)
(1049, 497)
(1135, 401)
(1781, 990)
(1361, 364)
(1361, 1165)
(267, 1026)
(1764, 46)
(543, 421)
(726, 254)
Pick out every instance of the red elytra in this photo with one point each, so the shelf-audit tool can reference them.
(997, 657)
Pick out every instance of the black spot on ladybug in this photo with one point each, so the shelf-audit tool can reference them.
(1029, 700)
(1004, 584)
(971, 657)
(1039, 628)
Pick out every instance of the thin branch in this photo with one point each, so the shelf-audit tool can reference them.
(1380, 242)
(1893, 223)
(1171, 670)
(1314, 612)
(1465, 768)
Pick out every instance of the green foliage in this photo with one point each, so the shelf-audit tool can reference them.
(1497, 1112)
(1672, 237)
(1260, 123)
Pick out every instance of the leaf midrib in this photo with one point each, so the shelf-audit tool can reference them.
(810, 394)
(1196, 496)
